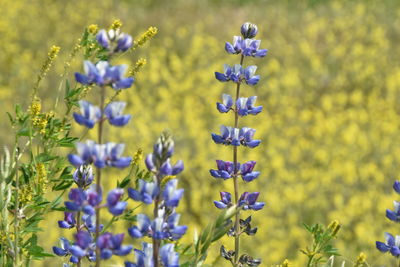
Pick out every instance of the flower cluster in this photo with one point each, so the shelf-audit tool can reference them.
(392, 243)
(85, 202)
(244, 46)
(236, 137)
(161, 191)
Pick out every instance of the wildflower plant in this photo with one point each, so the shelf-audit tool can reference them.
(85, 203)
(244, 46)
(160, 191)
(321, 249)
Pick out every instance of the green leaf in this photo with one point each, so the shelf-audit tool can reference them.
(124, 182)
(23, 132)
(44, 157)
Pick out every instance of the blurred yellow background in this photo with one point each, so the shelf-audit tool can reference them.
(330, 87)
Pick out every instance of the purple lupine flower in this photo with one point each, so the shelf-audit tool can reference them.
(392, 245)
(226, 104)
(226, 76)
(144, 257)
(63, 250)
(103, 74)
(78, 201)
(124, 41)
(169, 257)
(83, 176)
(248, 30)
(142, 228)
(94, 197)
(103, 39)
(229, 136)
(171, 194)
(167, 169)
(248, 201)
(115, 206)
(246, 170)
(114, 76)
(113, 112)
(234, 74)
(245, 106)
(90, 114)
(246, 137)
(226, 200)
(158, 228)
(396, 187)
(249, 75)
(92, 74)
(146, 192)
(175, 231)
(250, 48)
(110, 244)
(394, 215)
(81, 247)
(225, 169)
(68, 222)
(89, 222)
(236, 46)
(101, 155)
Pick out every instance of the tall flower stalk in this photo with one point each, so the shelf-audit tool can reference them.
(161, 191)
(244, 46)
(85, 202)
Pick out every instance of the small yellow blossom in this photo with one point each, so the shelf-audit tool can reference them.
(93, 28)
(117, 24)
(138, 65)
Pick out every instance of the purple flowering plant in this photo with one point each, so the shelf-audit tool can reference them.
(92, 240)
(244, 46)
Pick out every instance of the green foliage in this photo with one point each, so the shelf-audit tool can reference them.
(321, 249)
(195, 254)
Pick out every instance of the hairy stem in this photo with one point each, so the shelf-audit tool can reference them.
(98, 173)
(235, 178)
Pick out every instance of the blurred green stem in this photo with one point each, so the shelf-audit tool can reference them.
(16, 209)
(235, 178)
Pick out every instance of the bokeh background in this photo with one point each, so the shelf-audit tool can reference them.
(330, 88)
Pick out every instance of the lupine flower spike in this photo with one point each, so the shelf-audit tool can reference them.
(85, 202)
(245, 46)
(163, 193)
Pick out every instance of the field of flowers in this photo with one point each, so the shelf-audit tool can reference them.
(330, 126)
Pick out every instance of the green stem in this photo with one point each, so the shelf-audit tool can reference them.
(310, 261)
(235, 179)
(78, 226)
(98, 171)
(156, 242)
(16, 210)
(113, 219)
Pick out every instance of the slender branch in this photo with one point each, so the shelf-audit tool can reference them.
(98, 171)
(235, 178)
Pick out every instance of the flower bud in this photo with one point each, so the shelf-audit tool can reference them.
(248, 30)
